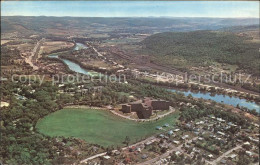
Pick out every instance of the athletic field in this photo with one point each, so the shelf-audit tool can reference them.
(99, 126)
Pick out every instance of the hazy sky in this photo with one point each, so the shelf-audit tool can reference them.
(131, 9)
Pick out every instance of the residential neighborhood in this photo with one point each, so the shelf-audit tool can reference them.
(209, 140)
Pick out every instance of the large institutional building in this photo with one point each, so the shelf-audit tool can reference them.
(145, 107)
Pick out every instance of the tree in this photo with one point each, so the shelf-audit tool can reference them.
(109, 150)
(173, 156)
(127, 140)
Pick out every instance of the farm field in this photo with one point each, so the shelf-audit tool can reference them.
(50, 46)
(99, 126)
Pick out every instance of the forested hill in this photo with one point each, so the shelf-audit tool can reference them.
(186, 49)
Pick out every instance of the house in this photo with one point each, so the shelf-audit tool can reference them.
(200, 138)
(164, 145)
(185, 137)
(116, 152)
(166, 137)
(247, 143)
(210, 156)
(132, 149)
(249, 153)
(188, 125)
(178, 153)
(254, 140)
(221, 133)
(201, 122)
(20, 97)
(149, 143)
(138, 149)
(220, 119)
(223, 161)
(144, 156)
(196, 150)
(166, 125)
(61, 85)
(106, 157)
(231, 124)
(4, 104)
(170, 132)
(158, 127)
(161, 136)
(176, 130)
(176, 142)
(232, 156)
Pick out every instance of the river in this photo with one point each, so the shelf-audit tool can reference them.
(72, 65)
(219, 98)
(80, 46)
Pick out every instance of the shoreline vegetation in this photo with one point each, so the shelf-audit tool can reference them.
(197, 88)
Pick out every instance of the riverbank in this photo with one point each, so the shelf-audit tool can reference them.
(206, 89)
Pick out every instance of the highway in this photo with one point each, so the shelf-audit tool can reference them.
(29, 60)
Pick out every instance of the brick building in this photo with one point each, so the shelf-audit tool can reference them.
(145, 107)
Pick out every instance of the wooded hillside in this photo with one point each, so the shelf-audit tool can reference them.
(200, 48)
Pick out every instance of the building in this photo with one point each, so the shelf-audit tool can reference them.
(126, 108)
(145, 107)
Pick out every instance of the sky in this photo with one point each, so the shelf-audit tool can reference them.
(220, 9)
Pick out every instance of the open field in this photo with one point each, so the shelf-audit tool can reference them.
(97, 63)
(50, 46)
(98, 126)
(5, 41)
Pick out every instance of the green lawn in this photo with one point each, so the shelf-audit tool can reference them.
(98, 126)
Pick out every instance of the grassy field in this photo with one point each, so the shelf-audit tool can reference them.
(98, 126)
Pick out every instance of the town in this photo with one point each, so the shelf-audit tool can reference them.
(209, 140)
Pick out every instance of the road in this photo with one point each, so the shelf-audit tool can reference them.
(151, 161)
(99, 54)
(224, 155)
(33, 53)
(124, 148)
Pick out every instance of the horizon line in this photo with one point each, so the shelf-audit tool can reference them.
(129, 16)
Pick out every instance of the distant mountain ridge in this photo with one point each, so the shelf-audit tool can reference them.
(41, 23)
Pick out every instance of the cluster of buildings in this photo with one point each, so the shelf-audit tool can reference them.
(218, 132)
(144, 108)
(181, 144)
